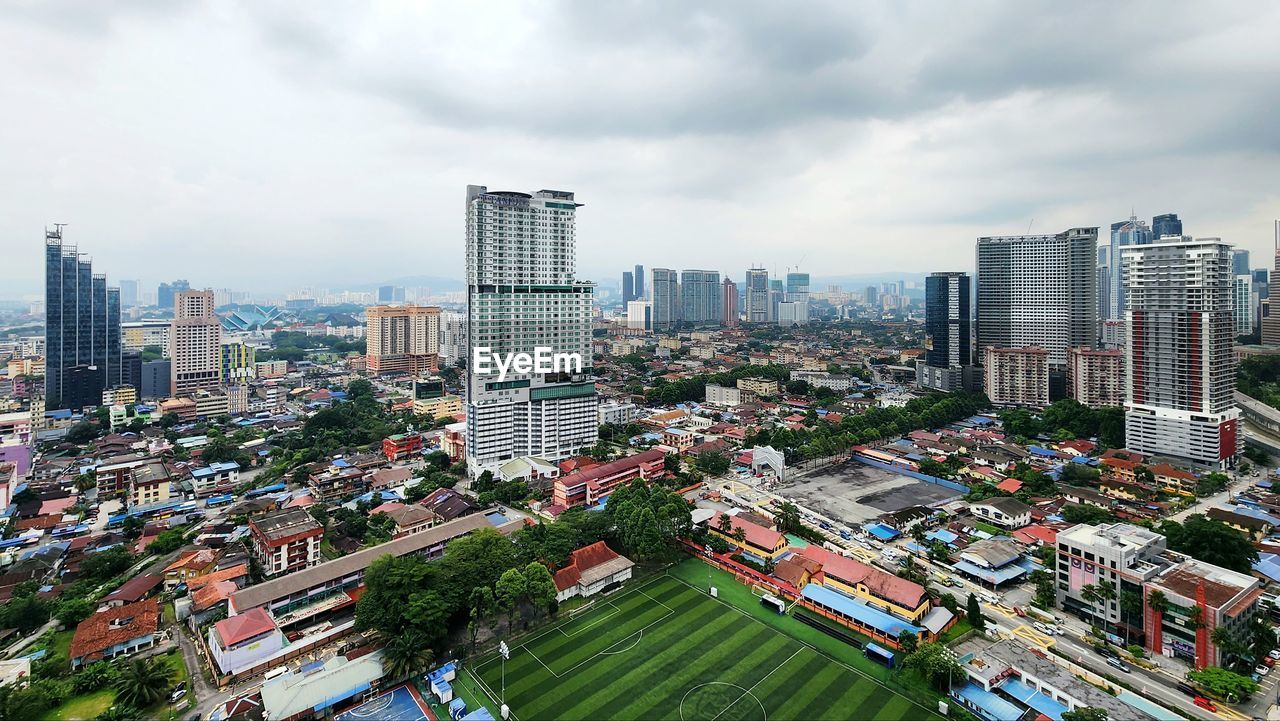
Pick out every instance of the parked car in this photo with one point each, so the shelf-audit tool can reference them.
(1275, 653)
(1188, 689)
(1262, 670)
(1117, 663)
(1268, 661)
(1205, 704)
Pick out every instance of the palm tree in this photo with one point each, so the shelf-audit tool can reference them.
(406, 654)
(143, 682)
(1106, 593)
(1089, 594)
(1131, 604)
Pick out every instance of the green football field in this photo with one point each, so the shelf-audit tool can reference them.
(665, 650)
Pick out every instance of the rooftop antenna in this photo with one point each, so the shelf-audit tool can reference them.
(1033, 222)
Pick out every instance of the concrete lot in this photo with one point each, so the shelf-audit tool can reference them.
(856, 493)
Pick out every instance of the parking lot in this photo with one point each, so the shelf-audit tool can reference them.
(855, 493)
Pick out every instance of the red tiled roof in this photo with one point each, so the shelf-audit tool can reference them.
(615, 467)
(1010, 485)
(98, 633)
(907, 594)
(243, 627)
(756, 535)
(135, 588)
(194, 559)
(240, 570)
(211, 594)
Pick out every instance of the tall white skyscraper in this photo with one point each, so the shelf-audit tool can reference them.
(757, 306)
(665, 290)
(1039, 290)
(700, 297)
(453, 338)
(522, 296)
(1180, 374)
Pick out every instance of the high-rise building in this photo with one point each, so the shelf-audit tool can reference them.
(792, 314)
(798, 292)
(82, 328)
(166, 291)
(873, 296)
(777, 294)
(948, 353)
(237, 361)
(665, 289)
(640, 315)
(1095, 378)
(728, 303)
(522, 297)
(1110, 289)
(1239, 261)
(1039, 290)
(1244, 304)
(386, 294)
(453, 338)
(1167, 224)
(402, 339)
(1016, 376)
(628, 287)
(129, 293)
(638, 277)
(757, 308)
(700, 297)
(195, 344)
(1270, 317)
(1180, 373)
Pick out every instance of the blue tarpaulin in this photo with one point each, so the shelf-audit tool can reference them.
(883, 532)
(1033, 698)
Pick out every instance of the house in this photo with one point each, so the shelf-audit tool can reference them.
(448, 504)
(1005, 512)
(189, 565)
(591, 569)
(401, 445)
(875, 602)
(407, 518)
(904, 519)
(678, 438)
(1255, 525)
(385, 478)
(1175, 480)
(149, 485)
(757, 541)
(242, 641)
(215, 478)
(314, 689)
(118, 631)
(589, 487)
(132, 591)
(286, 541)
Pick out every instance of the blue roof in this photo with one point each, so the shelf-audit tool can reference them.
(883, 532)
(996, 575)
(889, 625)
(1042, 451)
(215, 468)
(480, 714)
(58, 414)
(980, 420)
(340, 463)
(1268, 564)
(942, 534)
(1263, 483)
(992, 705)
(1254, 513)
(1085, 460)
(1033, 698)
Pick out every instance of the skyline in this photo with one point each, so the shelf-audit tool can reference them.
(872, 151)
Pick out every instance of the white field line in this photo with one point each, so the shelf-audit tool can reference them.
(757, 683)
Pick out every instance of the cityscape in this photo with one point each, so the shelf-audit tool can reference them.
(527, 466)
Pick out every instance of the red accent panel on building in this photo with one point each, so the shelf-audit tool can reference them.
(1227, 439)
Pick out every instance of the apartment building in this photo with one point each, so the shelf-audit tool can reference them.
(402, 339)
(1017, 376)
(1095, 378)
(195, 344)
(723, 396)
(759, 386)
(286, 541)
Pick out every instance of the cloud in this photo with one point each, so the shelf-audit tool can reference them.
(261, 146)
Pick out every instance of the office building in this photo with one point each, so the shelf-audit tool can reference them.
(728, 303)
(129, 293)
(1180, 373)
(1239, 262)
(638, 277)
(82, 328)
(195, 344)
(1095, 378)
(1244, 304)
(166, 293)
(453, 338)
(1110, 289)
(522, 296)
(1269, 317)
(665, 288)
(1039, 290)
(1017, 376)
(1166, 225)
(947, 359)
(237, 361)
(156, 379)
(640, 315)
(797, 291)
(700, 297)
(757, 307)
(628, 288)
(402, 339)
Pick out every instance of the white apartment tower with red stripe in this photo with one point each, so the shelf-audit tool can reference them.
(1180, 372)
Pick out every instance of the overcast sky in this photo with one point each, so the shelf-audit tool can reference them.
(258, 146)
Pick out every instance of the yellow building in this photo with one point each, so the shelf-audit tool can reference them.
(125, 395)
(33, 366)
(441, 407)
(759, 386)
(758, 541)
(902, 598)
(149, 485)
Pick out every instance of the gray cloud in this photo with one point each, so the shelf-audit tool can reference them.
(267, 145)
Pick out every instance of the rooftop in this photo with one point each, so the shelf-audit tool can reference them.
(100, 631)
(283, 524)
(250, 624)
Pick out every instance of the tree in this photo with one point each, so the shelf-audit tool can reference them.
(973, 612)
(406, 653)
(540, 587)
(81, 433)
(1223, 684)
(142, 682)
(1086, 713)
(481, 605)
(1131, 606)
(908, 642)
(938, 551)
(85, 481)
(713, 463)
(1211, 541)
(72, 611)
(509, 591)
(1091, 515)
(936, 663)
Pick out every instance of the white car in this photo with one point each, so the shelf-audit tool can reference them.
(1262, 670)
(1042, 628)
(1275, 653)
